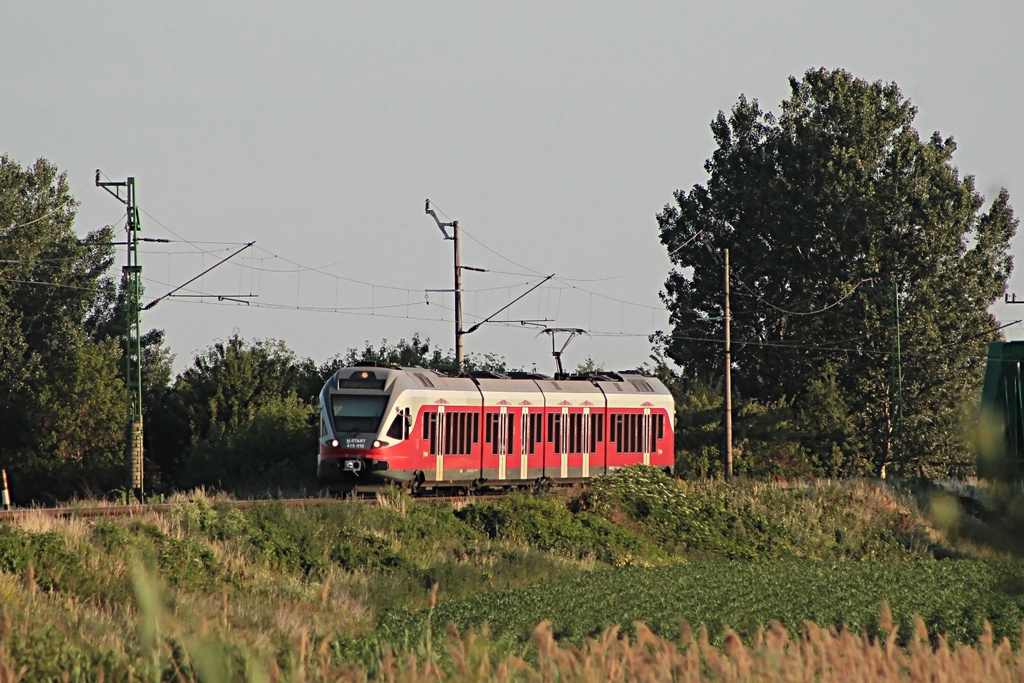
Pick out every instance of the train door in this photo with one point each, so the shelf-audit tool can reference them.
(662, 449)
(531, 443)
(594, 457)
(574, 443)
(553, 443)
(646, 436)
(451, 436)
(585, 446)
(500, 439)
(568, 433)
(625, 430)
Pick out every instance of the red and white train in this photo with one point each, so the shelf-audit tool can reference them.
(417, 428)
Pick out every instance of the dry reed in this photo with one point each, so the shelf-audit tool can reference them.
(817, 654)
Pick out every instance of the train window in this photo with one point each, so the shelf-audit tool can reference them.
(576, 433)
(510, 431)
(355, 413)
(532, 423)
(471, 433)
(449, 423)
(596, 430)
(626, 431)
(400, 426)
(555, 431)
(461, 432)
(430, 431)
(492, 431)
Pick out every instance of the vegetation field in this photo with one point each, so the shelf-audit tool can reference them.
(954, 598)
(336, 587)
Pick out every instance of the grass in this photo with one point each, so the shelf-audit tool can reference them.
(313, 591)
(821, 654)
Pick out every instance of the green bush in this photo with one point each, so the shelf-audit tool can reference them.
(46, 557)
(749, 520)
(550, 526)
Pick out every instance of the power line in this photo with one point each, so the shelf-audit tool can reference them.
(633, 272)
(48, 284)
(41, 218)
(300, 268)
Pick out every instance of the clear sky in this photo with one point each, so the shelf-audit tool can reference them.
(553, 131)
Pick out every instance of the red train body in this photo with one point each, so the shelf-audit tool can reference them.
(417, 428)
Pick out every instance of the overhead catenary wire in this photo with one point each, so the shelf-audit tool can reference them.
(58, 285)
(296, 267)
(16, 226)
(257, 266)
(817, 311)
(660, 259)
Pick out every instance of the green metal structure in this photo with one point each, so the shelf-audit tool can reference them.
(1001, 420)
(133, 347)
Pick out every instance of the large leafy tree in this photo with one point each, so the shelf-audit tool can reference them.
(108, 320)
(61, 396)
(863, 266)
(237, 416)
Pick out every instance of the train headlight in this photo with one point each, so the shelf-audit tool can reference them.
(334, 443)
(377, 443)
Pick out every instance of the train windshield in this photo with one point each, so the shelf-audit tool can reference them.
(355, 413)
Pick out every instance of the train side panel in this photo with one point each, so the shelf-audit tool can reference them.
(573, 424)
(640, 423)
(512, 425)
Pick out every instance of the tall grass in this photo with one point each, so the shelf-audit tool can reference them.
(817, 654)
(212, 592)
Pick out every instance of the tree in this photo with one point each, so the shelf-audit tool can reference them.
(108, 320)
(414, 353)
(207, 427)
(843, 226)
(58, 397)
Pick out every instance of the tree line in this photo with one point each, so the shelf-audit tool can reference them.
(863, 269)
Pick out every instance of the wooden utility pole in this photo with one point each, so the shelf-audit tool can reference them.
(460, 351)
(728, 378)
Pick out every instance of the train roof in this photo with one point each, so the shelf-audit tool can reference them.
(598, 376)
(367, 375)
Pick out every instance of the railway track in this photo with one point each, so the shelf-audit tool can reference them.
(93, 511)
(139, 509)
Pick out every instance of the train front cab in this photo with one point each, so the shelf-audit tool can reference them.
(362, 420)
